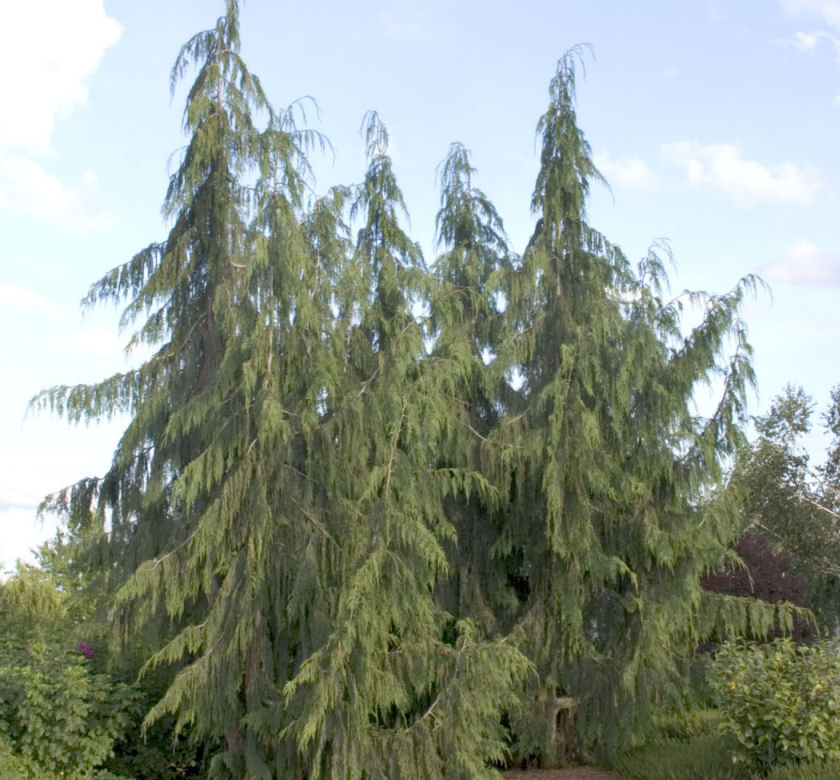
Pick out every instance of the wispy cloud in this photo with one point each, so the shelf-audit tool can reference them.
(827, 10)
(744, 182)
(13, 296)
(804, 263)
(631, 173)
(58, 44)
(404, 20)
(27, 189)
(17, 499)
(810, 41)
(20, 533)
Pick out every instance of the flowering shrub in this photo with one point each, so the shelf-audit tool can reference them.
(86, 650)
(780, 701)
(57, 714)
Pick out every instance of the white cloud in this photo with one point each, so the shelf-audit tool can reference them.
(403, 22)
(808, 41)
(828, 10)
(11, 498)
(629, 172)
(28, 190)
(91, 342)
(14, 296)
(50, 48)
(804, 263)
(745, 182)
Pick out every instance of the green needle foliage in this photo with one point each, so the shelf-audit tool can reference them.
(374, 521)
(612, 514)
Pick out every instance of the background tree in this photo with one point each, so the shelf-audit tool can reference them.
(763, 574)
(788, 504)
(467, 318)
(830, 470)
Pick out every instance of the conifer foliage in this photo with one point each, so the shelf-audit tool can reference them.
(374, 519)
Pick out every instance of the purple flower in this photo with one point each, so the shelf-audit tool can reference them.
(86, 650)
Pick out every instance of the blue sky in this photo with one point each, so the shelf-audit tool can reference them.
(716, 123)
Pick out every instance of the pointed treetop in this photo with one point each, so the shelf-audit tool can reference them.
(566, 165)
(466, 218)
(209, 45)
(222, 78)
(456, 170)
(562, 86)
(375, 135)
(455, 174)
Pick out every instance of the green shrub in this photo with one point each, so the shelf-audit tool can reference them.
(13, 766)
(157, 753)
(780, 701)
(55, 712)
(58, 716)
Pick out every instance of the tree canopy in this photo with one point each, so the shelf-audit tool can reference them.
(374, 517)
(791, 505)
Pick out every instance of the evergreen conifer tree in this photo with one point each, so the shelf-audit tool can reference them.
(191, 497)
(275, 506)
(467, 317)
(610, 519)
(399, 689)
(353, 537)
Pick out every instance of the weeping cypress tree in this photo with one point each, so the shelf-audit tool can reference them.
(467, 304)
(275, 506)
(184, 287)
(195, 498)
(466, 316)
(349, 555)
(399, 689)
(613, 514)
(179, 285)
